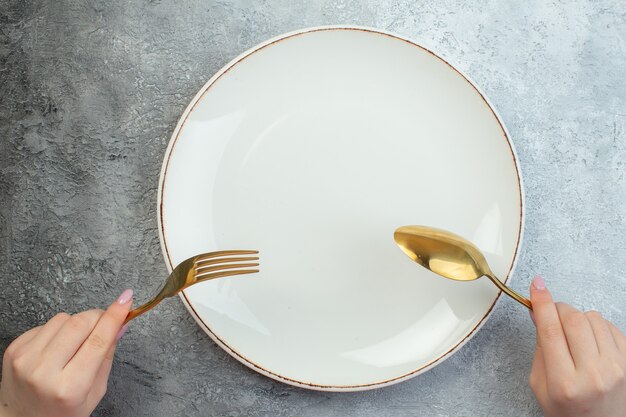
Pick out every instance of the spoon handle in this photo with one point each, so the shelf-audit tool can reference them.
(514, 295)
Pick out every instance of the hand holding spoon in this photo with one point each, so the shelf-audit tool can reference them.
(448, 255)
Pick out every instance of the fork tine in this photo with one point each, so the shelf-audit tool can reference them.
(204, 269)
(225, 260)
(207, 276)
(212, 255)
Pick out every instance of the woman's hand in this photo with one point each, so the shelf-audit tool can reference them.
(61, 369)
(580, 362)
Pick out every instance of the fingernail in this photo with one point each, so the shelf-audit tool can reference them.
(539, 283)
(125, 297)
(121, 332)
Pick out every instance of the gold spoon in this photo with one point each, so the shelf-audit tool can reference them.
(448, 255)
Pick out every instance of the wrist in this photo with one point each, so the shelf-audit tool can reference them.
(5, 409)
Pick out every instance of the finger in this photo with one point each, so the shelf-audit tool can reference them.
(556, 354)
(580, 337)
(16, 348)
(18, 344)
(86, 362)
(100, 383)
(619, 337)
(70, 337)
(537, 377)
(607, 345)
(46, 333)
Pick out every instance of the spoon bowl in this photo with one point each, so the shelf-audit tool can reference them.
(449, 255)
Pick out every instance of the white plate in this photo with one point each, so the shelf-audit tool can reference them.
(312, 148)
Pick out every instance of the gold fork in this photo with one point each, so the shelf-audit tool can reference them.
(199, 268)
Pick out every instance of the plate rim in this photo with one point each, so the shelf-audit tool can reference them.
(162, 238)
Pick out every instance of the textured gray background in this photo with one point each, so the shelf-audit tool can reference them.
(90, 92)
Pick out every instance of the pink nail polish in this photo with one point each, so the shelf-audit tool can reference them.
(125, 297)
(539, 283)
(121, 332)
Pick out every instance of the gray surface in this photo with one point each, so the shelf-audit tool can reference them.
(90, 92)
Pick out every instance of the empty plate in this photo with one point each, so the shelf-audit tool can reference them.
(312, 148)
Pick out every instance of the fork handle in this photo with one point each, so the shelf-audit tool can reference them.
(143, 308)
